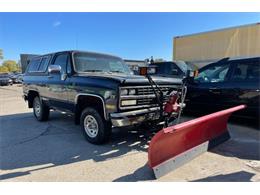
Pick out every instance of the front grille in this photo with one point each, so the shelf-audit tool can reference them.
(149, 90)
(146, 101)
(145, 95)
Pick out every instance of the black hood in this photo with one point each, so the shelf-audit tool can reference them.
(124, 79)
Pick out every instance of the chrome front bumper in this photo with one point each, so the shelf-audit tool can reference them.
(134, 117)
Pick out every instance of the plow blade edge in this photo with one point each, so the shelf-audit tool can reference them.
(176, 145)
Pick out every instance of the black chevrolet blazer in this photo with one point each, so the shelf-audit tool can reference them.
(99, 89)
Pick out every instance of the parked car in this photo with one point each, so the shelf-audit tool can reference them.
(227, 83)
(176, 69)
(15, 77)
(19, 78)
(98, 89)
(5, 79)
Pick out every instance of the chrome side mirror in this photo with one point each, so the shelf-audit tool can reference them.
(54, 69)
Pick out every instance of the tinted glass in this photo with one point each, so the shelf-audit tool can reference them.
(62, 61)
(212, 74)
(246, 71)
(167, 69)
(34, 64)
(69, 65)
(87, 62)
(44, 63)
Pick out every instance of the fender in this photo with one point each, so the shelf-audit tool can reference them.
(93, 95)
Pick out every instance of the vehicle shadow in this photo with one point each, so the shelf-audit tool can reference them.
(245, 138)
(248, 150)
(143, 173)
(26, 143)
(241, 176)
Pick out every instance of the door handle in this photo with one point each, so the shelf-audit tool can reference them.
(50, 77)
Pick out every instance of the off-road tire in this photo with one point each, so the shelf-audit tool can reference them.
(40, 110)
(102, 128)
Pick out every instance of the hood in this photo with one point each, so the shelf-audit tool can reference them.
(132, 79)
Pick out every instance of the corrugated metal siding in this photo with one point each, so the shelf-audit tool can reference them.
(241, 41)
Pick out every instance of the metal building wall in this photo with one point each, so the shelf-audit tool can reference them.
(207, 47)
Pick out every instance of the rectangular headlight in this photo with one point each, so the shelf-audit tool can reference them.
(124, 91)
(132, 92)
(128, 102)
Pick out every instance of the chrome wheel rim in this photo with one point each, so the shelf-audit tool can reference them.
(37, 108)
(91, 126)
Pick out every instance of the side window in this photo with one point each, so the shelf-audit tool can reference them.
(246, 71)
(34, 65)
(44, 63)
(61, 59)
(175, 70)
(213, 74)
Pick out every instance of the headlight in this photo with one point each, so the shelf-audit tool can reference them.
(132, 92)
(124, 92)
(128, 102)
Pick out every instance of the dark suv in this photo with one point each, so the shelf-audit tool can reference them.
(175, 69)
(98, 89)
(226, 83)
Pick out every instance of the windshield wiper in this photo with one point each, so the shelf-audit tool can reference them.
(93, 71)
(117, 71)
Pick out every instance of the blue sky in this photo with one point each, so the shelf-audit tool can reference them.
(128, 35)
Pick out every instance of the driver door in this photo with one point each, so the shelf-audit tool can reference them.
(210, 90)
(57, 82)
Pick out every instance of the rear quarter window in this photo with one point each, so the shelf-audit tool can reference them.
(246, 71)
(44, 63)
(39, 64)
(34, 65)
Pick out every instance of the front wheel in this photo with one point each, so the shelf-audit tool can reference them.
(95, 129)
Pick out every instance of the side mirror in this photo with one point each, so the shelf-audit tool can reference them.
(54, 69)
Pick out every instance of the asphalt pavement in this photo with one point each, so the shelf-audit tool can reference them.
(57, 151)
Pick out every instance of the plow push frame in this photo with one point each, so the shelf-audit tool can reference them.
(176, 144)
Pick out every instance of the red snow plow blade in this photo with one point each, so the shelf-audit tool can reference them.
(173, 146)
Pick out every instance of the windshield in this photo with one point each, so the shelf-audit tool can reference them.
(184, 66)
(88, 62)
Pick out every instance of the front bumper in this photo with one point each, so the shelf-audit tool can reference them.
(134, 117)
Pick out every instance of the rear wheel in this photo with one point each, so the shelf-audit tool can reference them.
(40, 111)
(95, 129)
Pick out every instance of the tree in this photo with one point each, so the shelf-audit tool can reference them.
(11, 65)
(3, 69)
(1, 54)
